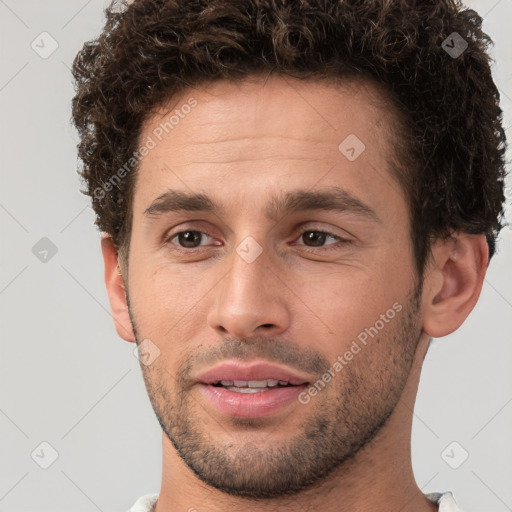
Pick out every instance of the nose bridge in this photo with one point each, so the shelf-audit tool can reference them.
(249, 296)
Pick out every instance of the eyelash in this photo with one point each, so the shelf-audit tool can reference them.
(341, 241)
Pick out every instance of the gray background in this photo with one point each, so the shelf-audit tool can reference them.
(68, 380)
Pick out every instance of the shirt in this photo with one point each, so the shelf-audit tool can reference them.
(445, 501)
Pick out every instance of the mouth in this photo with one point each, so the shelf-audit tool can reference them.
(250, 390)
(254, 375)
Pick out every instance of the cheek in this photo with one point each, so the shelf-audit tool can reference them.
(158, 298)
(166, 312)
(348, 303)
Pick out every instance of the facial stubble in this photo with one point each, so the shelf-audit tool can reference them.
(343, 418)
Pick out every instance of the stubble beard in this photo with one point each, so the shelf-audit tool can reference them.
(343, 418)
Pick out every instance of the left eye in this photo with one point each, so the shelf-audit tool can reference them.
(317, 237)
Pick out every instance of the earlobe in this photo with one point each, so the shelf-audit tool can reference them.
(116, 290)
(454, 282)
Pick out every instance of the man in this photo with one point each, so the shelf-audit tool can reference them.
(296, 198)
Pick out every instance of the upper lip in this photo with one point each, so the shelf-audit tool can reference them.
(246, 371)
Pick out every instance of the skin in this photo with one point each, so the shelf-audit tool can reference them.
(241, 144)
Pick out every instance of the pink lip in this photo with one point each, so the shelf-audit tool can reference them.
(250, 405)
(238, 370)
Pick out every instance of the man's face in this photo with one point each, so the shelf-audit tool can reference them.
(263, 289)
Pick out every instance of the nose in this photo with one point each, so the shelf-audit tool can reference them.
(251, 300)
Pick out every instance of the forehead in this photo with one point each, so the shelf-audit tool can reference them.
(275, 106)
(232, 138)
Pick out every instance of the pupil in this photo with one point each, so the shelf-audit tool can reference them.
(185, 238)
(314, 236)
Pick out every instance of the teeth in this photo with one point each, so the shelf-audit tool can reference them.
(251, 384)
(248, 390)
(257, 383)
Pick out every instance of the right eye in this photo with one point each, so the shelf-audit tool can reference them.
(188, 239)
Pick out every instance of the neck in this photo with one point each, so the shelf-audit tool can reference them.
(378, 477)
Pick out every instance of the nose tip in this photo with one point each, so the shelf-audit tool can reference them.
(244, 329)
(250, 301)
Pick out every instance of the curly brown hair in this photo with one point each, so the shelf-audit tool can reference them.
(450, 158)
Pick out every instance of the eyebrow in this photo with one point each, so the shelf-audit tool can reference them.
(333, 199)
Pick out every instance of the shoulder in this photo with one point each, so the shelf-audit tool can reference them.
(144, 503)
(445, 501)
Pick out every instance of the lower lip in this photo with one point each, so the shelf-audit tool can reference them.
(251, 405)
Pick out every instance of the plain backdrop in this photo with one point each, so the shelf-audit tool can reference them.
(68, 381)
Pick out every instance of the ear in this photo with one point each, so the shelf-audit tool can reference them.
(116, 291)
(453, 282)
